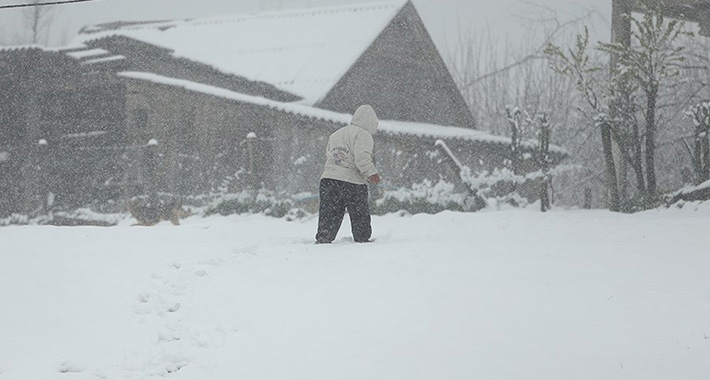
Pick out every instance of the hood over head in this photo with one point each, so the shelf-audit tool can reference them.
(365, 118)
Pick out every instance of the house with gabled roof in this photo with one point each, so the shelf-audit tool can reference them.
(333, 58)
(189, 106)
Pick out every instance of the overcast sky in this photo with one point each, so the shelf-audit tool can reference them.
(505, 19)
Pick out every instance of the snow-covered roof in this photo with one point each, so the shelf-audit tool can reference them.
(87, 53)
(303, 51)
(13, 48)
(112, 58)
(386, 126)
(692, 189)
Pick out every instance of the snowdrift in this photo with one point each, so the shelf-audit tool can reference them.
(492, 295)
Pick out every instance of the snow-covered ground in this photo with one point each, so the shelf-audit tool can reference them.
(492, 295)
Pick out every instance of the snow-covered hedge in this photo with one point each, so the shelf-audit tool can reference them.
(254, 202)
(432, 198)
(81, 216)
(424, 197)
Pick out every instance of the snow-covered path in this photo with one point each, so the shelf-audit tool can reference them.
(495, 295)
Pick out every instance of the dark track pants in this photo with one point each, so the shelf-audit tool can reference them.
(337, 196)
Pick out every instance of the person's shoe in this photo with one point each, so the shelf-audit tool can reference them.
(322, 241)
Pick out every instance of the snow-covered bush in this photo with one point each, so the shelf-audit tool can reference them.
(494, 190)
(78, 217)
(18, 219)
(424, 197)
(254, 202)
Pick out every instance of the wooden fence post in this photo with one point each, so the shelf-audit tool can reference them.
(252, 176)
(587, 198)
(151, 158)
(44, 175)
(545, 162)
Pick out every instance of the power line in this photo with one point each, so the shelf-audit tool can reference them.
(44, 4)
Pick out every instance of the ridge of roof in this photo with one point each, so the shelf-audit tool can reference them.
(296, 12)
(240, 17)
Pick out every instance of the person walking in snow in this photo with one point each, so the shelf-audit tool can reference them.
(349, 167)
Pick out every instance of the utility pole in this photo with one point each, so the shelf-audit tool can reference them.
(620, 24)
(621, 33)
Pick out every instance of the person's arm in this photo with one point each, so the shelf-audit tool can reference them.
(364, 145)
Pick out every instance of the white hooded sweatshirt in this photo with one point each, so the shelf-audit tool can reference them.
(349, 151)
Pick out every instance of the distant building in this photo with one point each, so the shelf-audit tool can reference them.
(191, 106)
(697, 11)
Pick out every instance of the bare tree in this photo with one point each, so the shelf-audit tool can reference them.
(545, 159)
(651, 58)
(577, 64)
(700, 152)
(640, 80)
(493, 75)
(597, 119)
